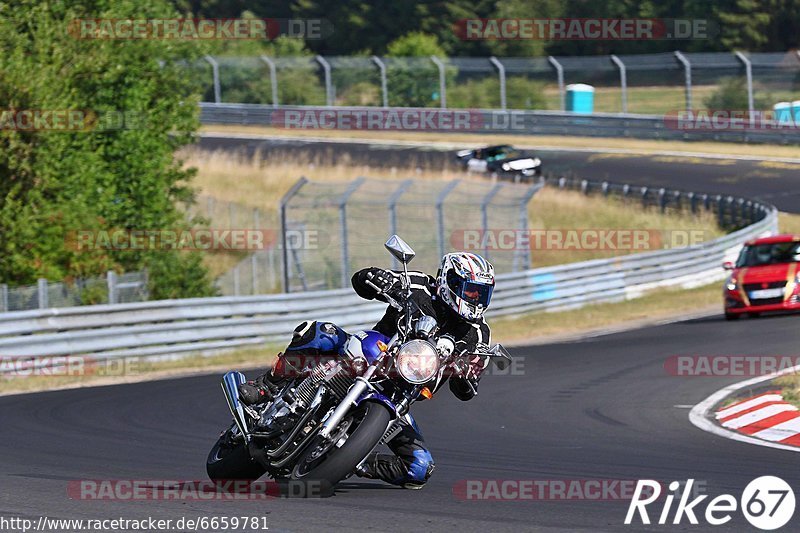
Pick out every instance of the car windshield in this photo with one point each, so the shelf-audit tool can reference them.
(769, 254)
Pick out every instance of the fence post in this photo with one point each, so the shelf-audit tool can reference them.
(662, 199)
(41, 293)
(343, 226)
(748, 69)
(215, 73)
(687, 76)
(501, 72)
(485, 216)
(284, 241)
(273, 77)
(4, 297)
(326, 68)
(236, 286)
(384, 88)
(560, 74)
(111, 283)
(623, 81)
(393, 212)
(440, 212)
(442, 82)
(525, 256)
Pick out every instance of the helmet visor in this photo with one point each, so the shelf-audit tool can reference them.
(470, 291)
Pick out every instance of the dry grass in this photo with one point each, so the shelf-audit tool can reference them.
(253, 183)
(527, 141)
(789, 223)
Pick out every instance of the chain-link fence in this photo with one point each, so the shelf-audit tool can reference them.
(113, 288)
(332, 229)
(644, 84)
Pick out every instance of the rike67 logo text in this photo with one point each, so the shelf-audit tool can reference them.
(767, 503)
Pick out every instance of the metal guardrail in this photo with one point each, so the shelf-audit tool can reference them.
(171, 327)
(515, 122)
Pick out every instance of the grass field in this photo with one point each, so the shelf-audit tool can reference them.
(258, 183)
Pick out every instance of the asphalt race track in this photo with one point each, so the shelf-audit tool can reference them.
(599, 408)
(773, 181)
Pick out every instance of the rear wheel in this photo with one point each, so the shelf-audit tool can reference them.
(327, 461)
(229, 459)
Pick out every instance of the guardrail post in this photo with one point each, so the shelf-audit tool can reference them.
(720, 211)
(644, 191)
(215, 73)
(384, 88)
(440, 212)
(4, 297)
(748, 69)
(604, 188)
(585, 187)
(111, 283)
(442, 82)
(562, 182)
(236, 280)
(687, 77)
(326, 68)
(623, 81)
(343, 226)
(706, 202)
(284, 240)
(501, 73)
(692, 202)
(41, 293)
(662, 199)
(560, 75)
(485, 215)
(525, 257)
(626, 190)
(393, 199)
(273, 76)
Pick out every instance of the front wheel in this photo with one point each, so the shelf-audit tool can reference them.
(230, 460)
(326, 462)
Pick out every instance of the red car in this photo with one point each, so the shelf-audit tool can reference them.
(764, 278)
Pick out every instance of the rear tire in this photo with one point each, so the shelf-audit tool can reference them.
(228, 461)
(319, 479)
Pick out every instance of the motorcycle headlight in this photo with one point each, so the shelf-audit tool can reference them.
(417, 361)
(506, 166)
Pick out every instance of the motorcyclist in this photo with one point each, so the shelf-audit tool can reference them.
(457, 297)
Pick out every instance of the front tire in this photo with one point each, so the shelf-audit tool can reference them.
(318, 473)
(230, 460)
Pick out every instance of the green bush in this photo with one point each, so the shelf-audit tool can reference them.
(732, 95)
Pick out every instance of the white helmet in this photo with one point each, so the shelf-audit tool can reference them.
(465, 283)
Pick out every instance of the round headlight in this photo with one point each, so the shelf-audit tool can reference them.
(417, 361)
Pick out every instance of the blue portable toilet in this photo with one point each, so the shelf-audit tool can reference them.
(783, 113)
(796, 112)
(580, 98)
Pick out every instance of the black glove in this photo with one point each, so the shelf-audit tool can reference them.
(384, 280)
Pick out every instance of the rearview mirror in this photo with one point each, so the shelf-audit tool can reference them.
(400, 249)
(727, 265)
(500, 356)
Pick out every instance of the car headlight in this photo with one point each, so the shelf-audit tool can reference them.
(417, 361)
(506, 166)
(731, 284)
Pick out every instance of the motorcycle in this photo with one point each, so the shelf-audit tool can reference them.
(326, 419)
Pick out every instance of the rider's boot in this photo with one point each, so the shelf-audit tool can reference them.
(264, 387)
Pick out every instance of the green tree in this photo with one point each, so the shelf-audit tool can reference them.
(107, 175)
